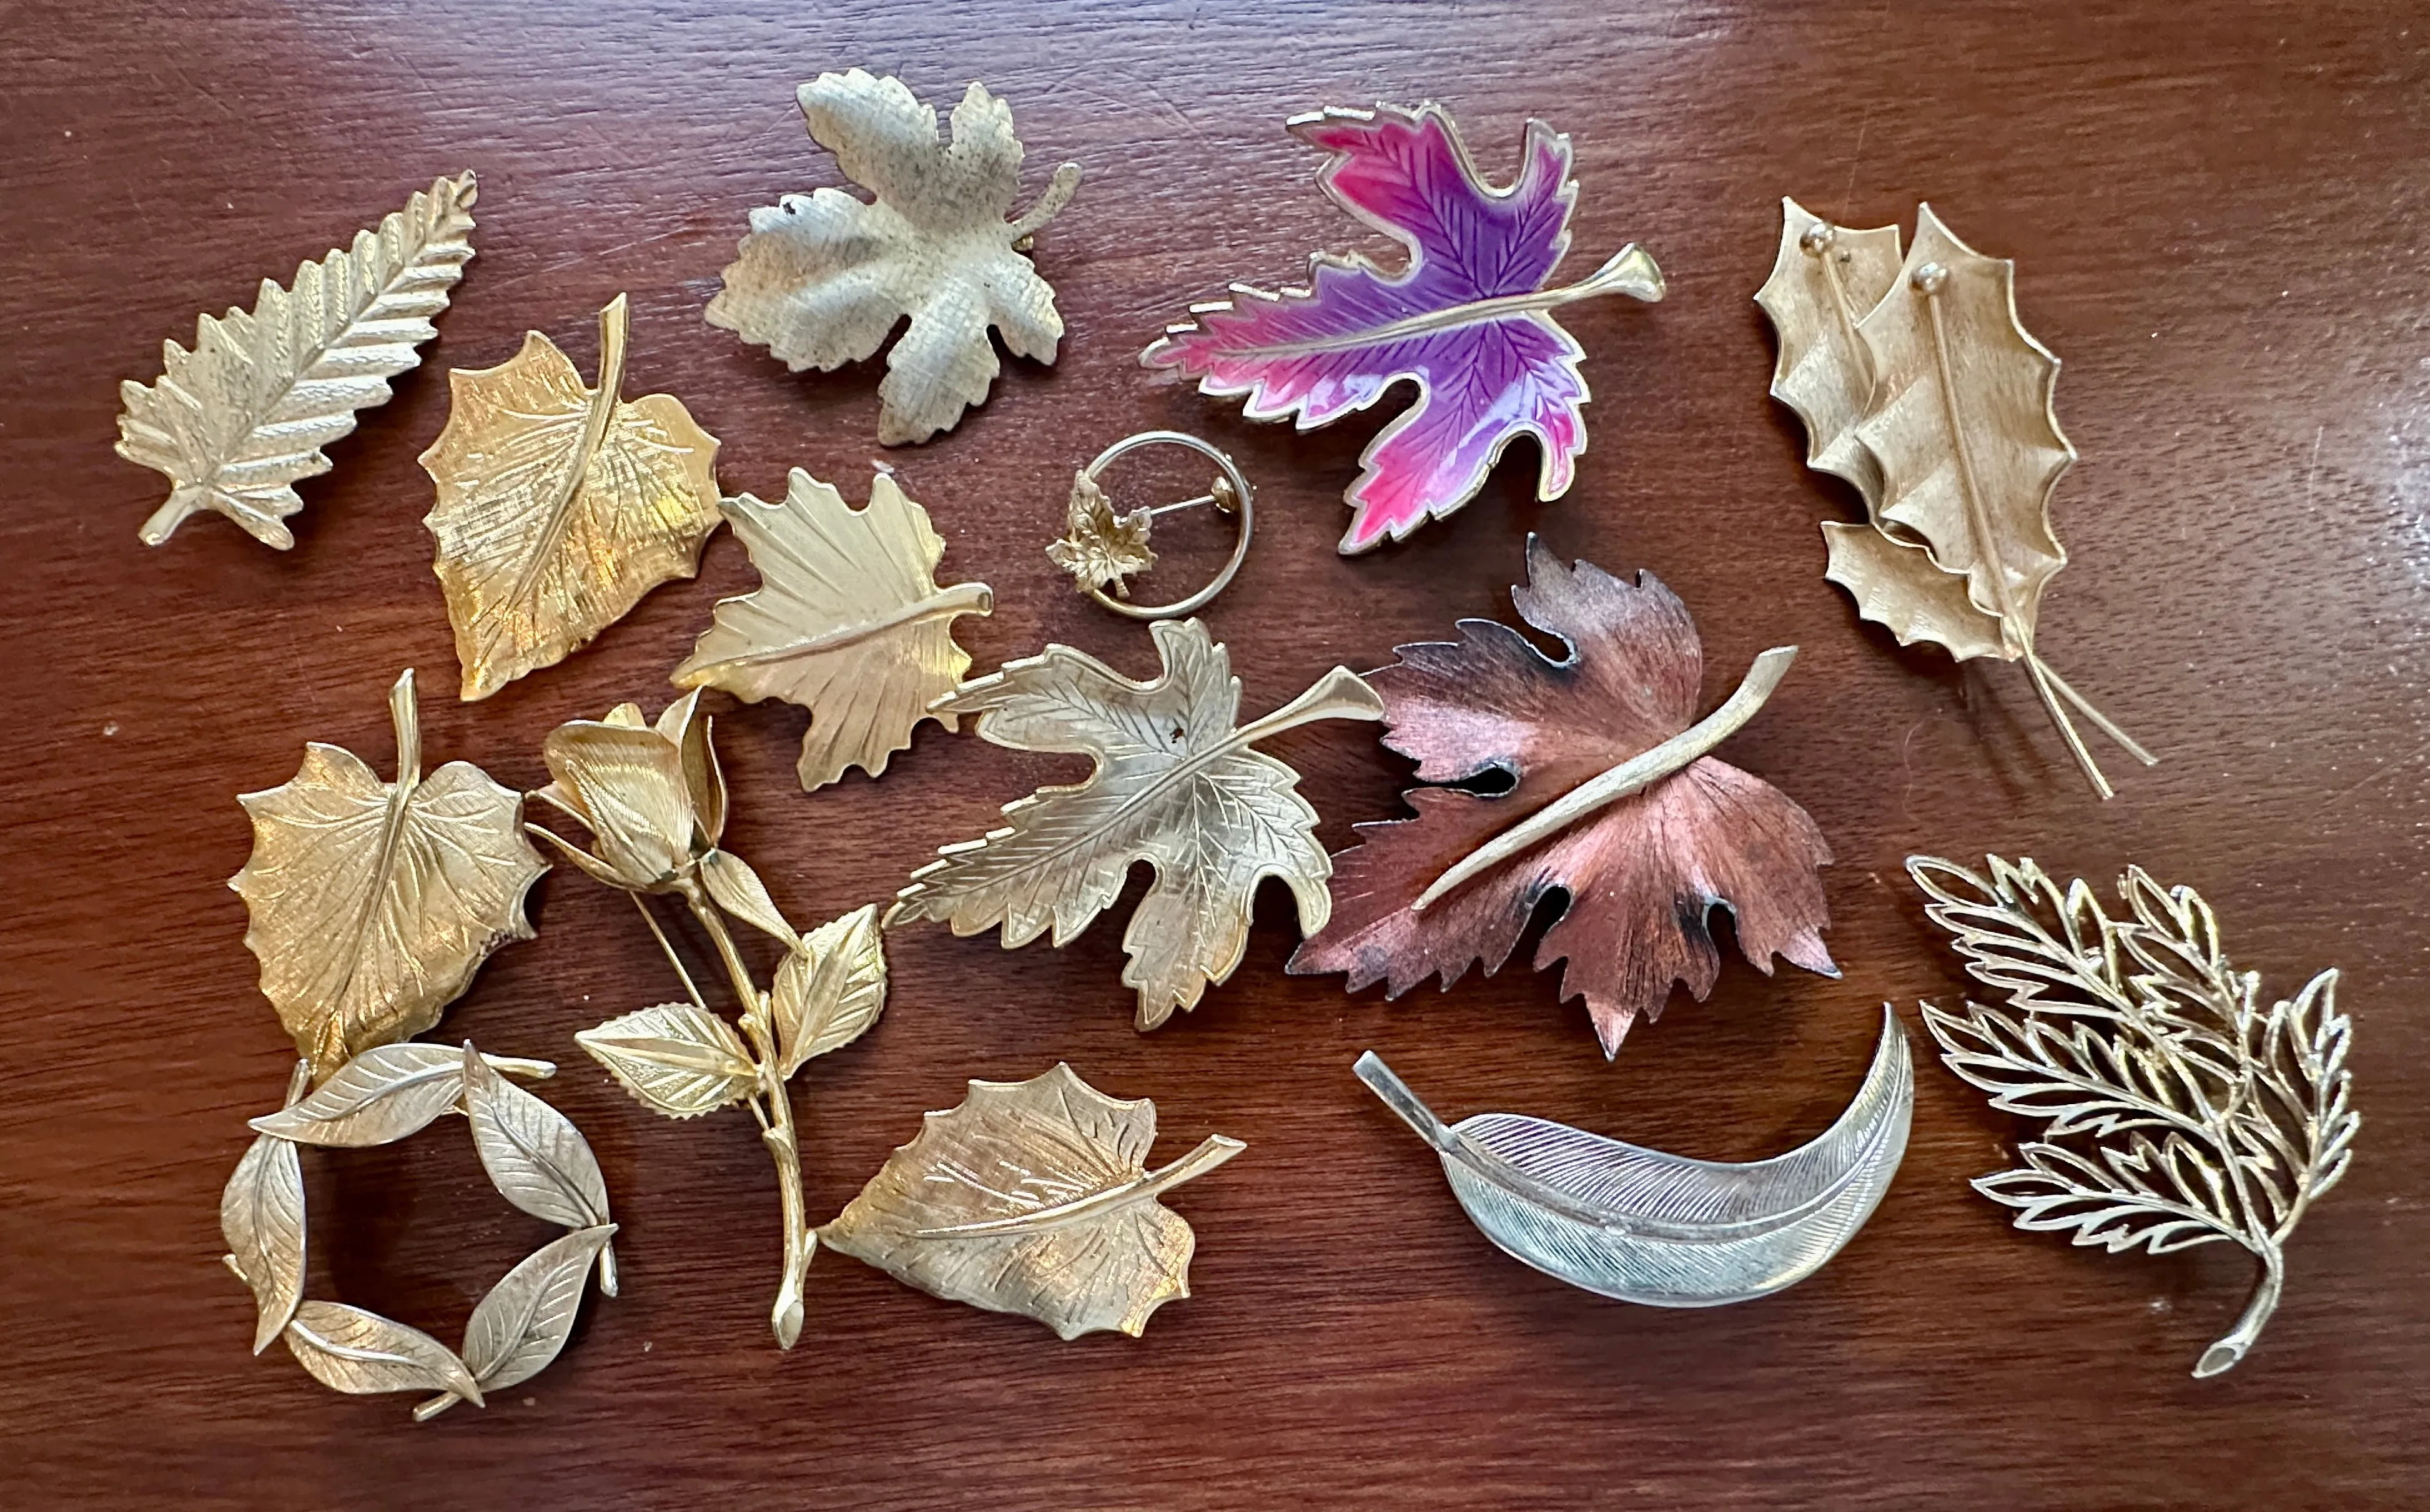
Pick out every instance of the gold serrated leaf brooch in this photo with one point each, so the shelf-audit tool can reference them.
(654, 799)
(2179, 1110)
(560, 504)
(1034, 1198)
(823, 278)
(372, 906)
(237, 421)
(1177, 784)
(847, 622)
(1918, 386)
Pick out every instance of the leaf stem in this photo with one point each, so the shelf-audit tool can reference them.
(2100, 720)
(1635, 775)
(406, 715)
(1630, 270)
(1927, 281)
(2233, 1345)
(1861, 355)
(1057, 193)
(1384, 1082)
(691, 990)
(614, 324)
(945, 603)
(1340, 694)
(1212, 1152)
(778, 1130)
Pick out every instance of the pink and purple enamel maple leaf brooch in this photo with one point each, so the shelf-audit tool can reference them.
(1468, 320)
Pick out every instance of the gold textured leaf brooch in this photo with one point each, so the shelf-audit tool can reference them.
(534, 1156)
(560, 505)
(653, 800)
(372, 904)
(823, 278)
(847, 622)
(1918, 386)
(237, 421)
(1585, 777)
(1177, 784)
(1034, 1198)
(2179, 1110)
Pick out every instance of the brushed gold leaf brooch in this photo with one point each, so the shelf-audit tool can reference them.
(823, 278)
(1177, 784)
(847, 622)
(560, 505)
(237, 421)
(534, 1156)
(1918, 386)
(653, 800)
(2179, 1110)
(1608, 800)
(372, 904)
(1034, 1198)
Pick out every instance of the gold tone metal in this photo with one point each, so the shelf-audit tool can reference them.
(1100, 548)
(847, 622)
(1923, 391)
(1174, 784)
(823, 278)
(535, 1159)
(560, 505)
(1824, 278)
(653, 800)
(1635, 775)
(238, 420)
(1034, 1198)
(2180, 1110)
(373, 903)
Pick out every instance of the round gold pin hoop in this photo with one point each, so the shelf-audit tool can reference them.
(1100, 548)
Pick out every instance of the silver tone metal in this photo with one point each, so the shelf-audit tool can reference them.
(1635, 775)
(1646, 1226)
(535, 1156)
(2180, 1110)
(1230, 493)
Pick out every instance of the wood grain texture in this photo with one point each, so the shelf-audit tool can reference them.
(2217, 212)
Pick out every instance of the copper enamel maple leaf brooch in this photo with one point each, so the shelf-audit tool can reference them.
(1606, 794)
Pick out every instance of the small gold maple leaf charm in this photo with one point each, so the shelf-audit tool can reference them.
(374, 903)
(1034, 1198)
(560, 505)
(1100, 547)
(847, 622)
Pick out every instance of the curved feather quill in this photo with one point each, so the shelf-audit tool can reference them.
(1660, 1229)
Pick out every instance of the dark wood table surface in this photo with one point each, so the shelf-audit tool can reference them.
(2219, 217)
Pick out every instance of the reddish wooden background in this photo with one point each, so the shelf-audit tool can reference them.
(2219, 217)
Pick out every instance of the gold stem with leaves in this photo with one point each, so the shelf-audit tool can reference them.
(772, 1105)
